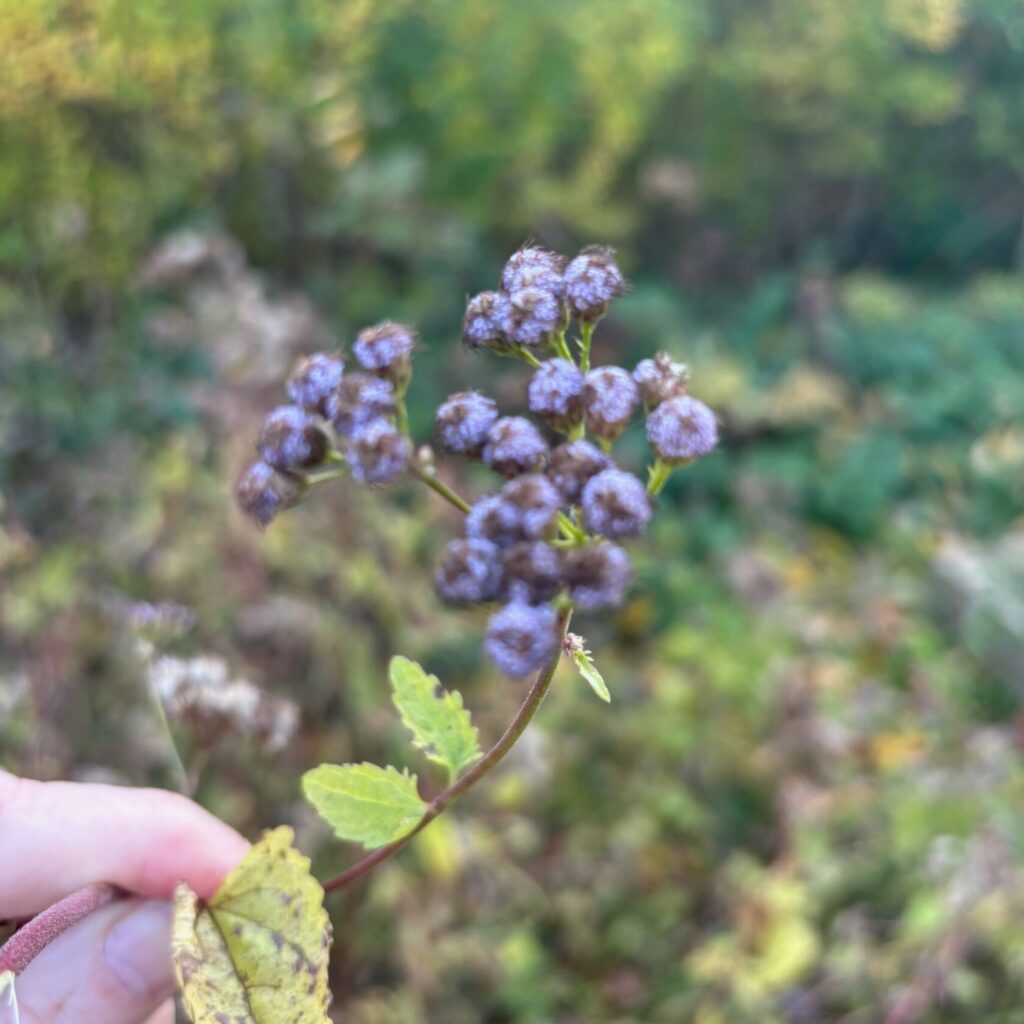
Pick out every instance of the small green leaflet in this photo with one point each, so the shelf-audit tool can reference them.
(440, 725)
(8, 999)
(585, 663)
(364, 803)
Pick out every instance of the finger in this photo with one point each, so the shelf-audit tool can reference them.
(56, 837)
(113, 966)
(165, 1015)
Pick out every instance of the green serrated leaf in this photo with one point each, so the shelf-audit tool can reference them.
(257, 952)
(364, 803)
(439, 724)
(585, 663)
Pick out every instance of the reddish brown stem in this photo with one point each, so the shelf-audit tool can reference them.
(31, 939)
(443, 800)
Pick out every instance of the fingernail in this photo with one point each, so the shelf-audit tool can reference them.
(138, 950)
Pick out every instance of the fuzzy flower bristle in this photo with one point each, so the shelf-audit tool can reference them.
(470, 572)
(482, 325)
(522, 638)
(598, 575)
(660, 379)
(385, 349)
(535, 502)
(615, 504)
(514, 446)
(313, 380)
(291, 440)
(592, 281)
(262, 492)
(378, 452)
(464, 421)
(572, 465)
(532, 317)
(533, 570)
(682, 429)
(534, 267)
(359, 400)
(610, 396)
(555, 393)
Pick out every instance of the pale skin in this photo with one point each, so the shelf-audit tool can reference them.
(114, 965)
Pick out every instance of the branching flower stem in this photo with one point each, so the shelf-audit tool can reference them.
(443, 800)
(32, 938)
(443, 489)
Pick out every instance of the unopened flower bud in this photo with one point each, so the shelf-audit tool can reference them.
(682, 429)
(360, 399)
(262, 492)
(533, 267)
(556, 394)
(378, 452)
(532, 317)
(470, 572)
(592, 280)
(533, 569)
(611, 397)
(386, 349)
(493, 519)
(291, 440)
(522, 638)
(598, 575)
(660, 379)
(535, 501)
(514, 446)
(482, 326)
(313, 380)
(615, 504)
(464, 421)
(572, 465)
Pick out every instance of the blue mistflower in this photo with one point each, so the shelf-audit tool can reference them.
(470, 572)
(514, 446)
(385, 348)
(493, 519)
(533, 570)
(262, 493)
(682, 429)
(592, 280)
(660, 379)
(483, 323)
(598, 575)
(532, 317)
(360, 399)
(615, 504)
(533, 267)
(610, 396)
(572, 465)
(555, 393)
(313, 380)
(535, 501)
(522, 638)
(464, 420)
(378, 452)
(291, 439)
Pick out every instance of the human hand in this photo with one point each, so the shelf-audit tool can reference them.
(114, 965)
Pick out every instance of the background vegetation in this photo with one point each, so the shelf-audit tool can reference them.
(805, 801)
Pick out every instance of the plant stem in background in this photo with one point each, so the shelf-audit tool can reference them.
(440, 803)
(587, 332)
(443, 489)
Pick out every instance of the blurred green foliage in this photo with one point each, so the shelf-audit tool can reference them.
(804, 801)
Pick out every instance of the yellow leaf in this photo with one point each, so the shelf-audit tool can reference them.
(892, 750)
(257, 952)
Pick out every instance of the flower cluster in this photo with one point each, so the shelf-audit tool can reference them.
(548, 537)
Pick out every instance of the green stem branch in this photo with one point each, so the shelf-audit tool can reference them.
(444, 800)
(440, 488)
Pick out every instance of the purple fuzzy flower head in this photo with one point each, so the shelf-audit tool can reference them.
(313, 380)
(660, 379)
(464, 420)
(610, 396)
(535, 501)
(386, 349)
(532, 317)
(261, 492)
(572, 465)
(556, 393)
(291, 440)
(470, 572)
(483, 324)
(360, 399)
(682, 429)
(522, 638)
(533, 570)
(378, 452)
(494, 520)
(598, 575)
(533, 267)
(592, 280)
(615, 504)
(514, 446)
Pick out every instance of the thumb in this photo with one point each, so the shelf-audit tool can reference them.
(114, 966)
